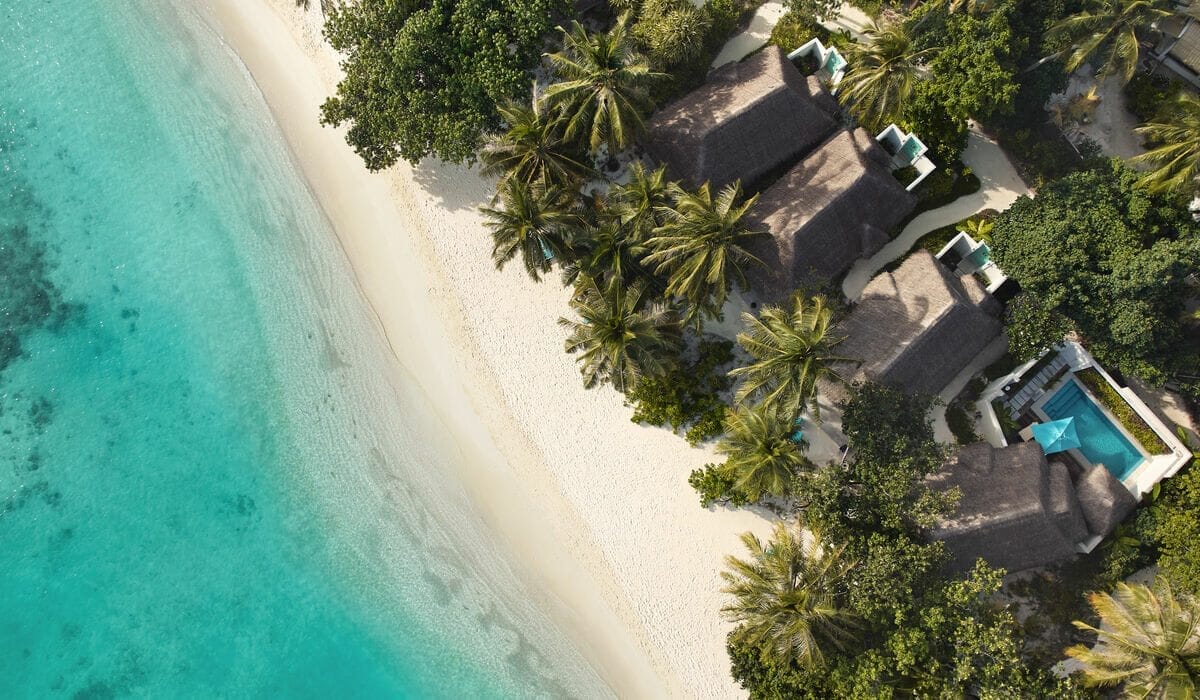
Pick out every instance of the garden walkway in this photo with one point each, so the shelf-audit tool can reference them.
(1000, 185)
(756, 34)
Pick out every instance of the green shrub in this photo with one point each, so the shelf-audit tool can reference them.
(961, 423)
(1120, 408)
(687, 398)
(1147, 93)
(792, 31)
(716, 485)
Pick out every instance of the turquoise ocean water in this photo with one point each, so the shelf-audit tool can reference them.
(203, 490)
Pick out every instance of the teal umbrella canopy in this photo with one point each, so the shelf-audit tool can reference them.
(1057, 436)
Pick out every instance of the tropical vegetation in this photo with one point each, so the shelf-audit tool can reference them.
(762, 456)
(883, 71)
(532, 149)
(619, 336)
(1174, 156)
(1113, 260)
(1107, 32)
(702, 247)
(1149, 642)
(428, 78)
(534, 221)
(793, 348)
(603, 88)
(789, 598)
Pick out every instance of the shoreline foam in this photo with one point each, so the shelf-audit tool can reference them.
(596, 510)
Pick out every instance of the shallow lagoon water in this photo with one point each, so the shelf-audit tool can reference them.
(205, 489)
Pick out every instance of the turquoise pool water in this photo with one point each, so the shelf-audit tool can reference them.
(204, 490)
(1102, 442)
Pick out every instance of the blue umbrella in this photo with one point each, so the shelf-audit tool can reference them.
(1056, 436)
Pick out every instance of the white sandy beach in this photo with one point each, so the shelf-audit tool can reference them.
(597, 510)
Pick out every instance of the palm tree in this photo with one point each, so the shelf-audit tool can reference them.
(532, 150)
(613, 250)
(792, 351)
(602, 89)
(700, 244)
(1176, 158)
(620, 339)
(882, 73)
(640, 201)
(1107, 29)
(762, 457)
(534, 220)
(788, 598)
(1147, 640)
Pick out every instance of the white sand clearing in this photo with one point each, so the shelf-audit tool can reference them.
(597, 510)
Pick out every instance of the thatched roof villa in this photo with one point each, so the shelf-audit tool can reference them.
(750, 118)
(835, 206)
(1016, 510)
(916, 328)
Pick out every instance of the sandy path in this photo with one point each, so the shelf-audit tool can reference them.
(1000, 185)
(596, 508)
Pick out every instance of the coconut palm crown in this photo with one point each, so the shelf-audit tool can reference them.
(701, 245)
(787, 598)
(882, 74)
(1176, 160)
(640, 201)
(533, 220)
(792, 347)
(533, 151)
(620, 339)
(602, 91)
(1148, 640)
(761, 456)
(1107, 30)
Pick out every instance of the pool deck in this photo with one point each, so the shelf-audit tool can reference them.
(1077, 454)
(1153, 469)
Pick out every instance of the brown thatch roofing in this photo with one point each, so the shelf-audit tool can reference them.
(748, 119)
(1104, 500)
(1015, 510)
(916, 328)
(835, 206)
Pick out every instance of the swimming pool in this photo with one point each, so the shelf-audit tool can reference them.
(1102, 442)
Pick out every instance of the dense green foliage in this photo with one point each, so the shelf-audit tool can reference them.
(688, 396)
(1169, 527)
(1113, 260)
(793, 349)
(820, 10)
(927, 635)
(1149, 94)
(426, 78)
(1149, 642)
(1032, 327)
(715, 484)
(878, 489)
(974, 67)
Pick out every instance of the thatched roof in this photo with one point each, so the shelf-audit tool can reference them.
(1105, 500)
(837, 205)
(916, 328)
(748, 119)
(1015, 509)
